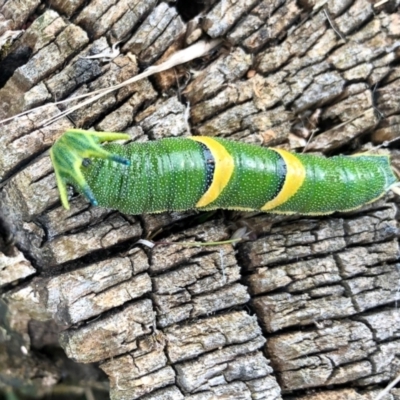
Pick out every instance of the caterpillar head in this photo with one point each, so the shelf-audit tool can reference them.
(68, 153)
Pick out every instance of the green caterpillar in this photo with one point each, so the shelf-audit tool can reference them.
(207, 173)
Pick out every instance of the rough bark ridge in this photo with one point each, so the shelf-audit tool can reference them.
(307, 310)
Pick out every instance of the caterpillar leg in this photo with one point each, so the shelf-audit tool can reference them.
(67, 155)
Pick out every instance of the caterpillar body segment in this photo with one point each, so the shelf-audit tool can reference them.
(207, 173)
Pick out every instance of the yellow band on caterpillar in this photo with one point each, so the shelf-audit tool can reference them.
(224, 166)
(295, 176)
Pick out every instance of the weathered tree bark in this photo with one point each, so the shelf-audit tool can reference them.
(306, 309)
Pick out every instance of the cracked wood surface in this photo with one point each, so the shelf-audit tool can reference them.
(306, 309)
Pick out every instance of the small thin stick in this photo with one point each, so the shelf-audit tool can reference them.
(379, 3)
(331, 24)
(180, 57)
(346, 122)
(388, 387)
(343, 124)
(198, 244)
(107, 54)
(386, 143)
(313, 132)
